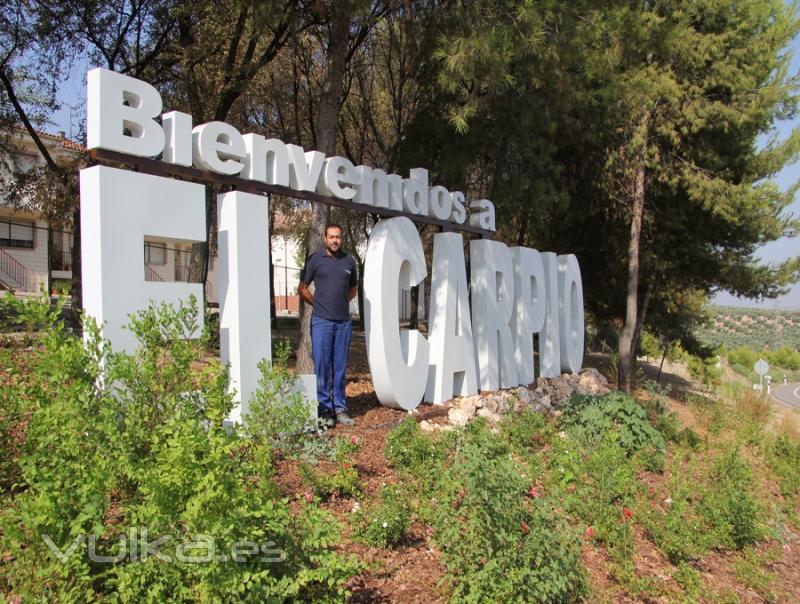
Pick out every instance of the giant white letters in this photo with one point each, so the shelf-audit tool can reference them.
(122, 117)
(515, 293)
(530, 308)
(398, 359)
(549, 344)
(452, 359)
(492, 306)
(120, 112)
(118, 208)
(570, 311)
(244, 286)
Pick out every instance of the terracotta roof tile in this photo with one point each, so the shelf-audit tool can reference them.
(65, 142)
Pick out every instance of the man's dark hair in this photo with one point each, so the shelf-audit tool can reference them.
(333, 225)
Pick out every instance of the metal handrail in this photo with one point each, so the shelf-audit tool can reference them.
(150, 274)
(11, 267)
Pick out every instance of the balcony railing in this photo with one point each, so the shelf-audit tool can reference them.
(181, 273)
(60, 260)
(11, 267)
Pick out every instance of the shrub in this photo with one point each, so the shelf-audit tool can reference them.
(526, 431)
(408, 448)
(690, 580)
(344, 482)
(785, 357)
(783, 458)
(120, 444)
(614, 415)
(705, 370)
(753, 411)
(603, 496)
(498, 543)
(385, 523)
(729, 505)
(678, 530)
(278, 414)
(649, 345)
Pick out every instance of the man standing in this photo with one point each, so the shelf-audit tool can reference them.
(333, 273)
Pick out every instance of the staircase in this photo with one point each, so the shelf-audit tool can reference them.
(12, 274)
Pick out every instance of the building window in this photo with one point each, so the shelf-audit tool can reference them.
(16, 234)
(155, 253)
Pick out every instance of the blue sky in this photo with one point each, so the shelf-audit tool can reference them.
(73, 93)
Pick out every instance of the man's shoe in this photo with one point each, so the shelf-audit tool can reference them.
(326, 419)
(343, 418)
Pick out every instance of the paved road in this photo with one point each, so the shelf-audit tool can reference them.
(788, 394)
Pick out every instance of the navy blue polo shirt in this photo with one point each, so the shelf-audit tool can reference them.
(333, 277)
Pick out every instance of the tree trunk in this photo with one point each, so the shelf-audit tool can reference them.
(330, 104)
(77, 276)
(637, 332)
(199, 262)
(663, 356)
(272, 308)
(625, 366)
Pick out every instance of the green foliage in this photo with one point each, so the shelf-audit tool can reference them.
(748, 333)
(385, 523)
(32, 314)
(751, 569)
(408, 448)
(278, 415)
(783, 458)
(730, 506)
(705, 370)
(601, 490)
(690, 580)
(785, 358)
(707, 508)
(650, 346)
(119, 443)
(526, 431)
(343, 482)
(498, 544)
(12, 418)
(614, 416)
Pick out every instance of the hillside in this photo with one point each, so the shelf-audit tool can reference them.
(755, 328)
(678, 495)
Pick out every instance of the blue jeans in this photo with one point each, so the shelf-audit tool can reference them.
(330, 342)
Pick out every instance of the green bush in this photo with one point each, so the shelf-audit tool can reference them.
(603, 494)
(385, 523)
(650, 346)
(719, 512)
(783, 458)
(135, 444)
(498, 543)
(616, 416)
(786, 357)
(729, 506)
(408, 448)
(344, 482)
(678, 530)
(278, 415)
(526, 431)
(705, 370)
